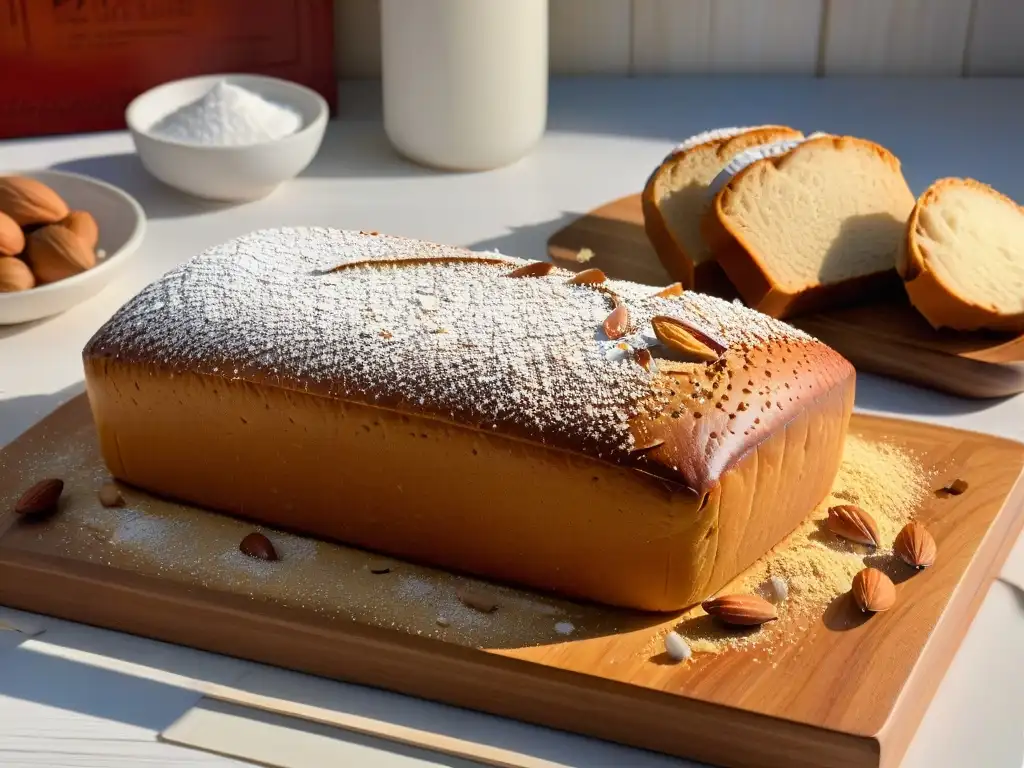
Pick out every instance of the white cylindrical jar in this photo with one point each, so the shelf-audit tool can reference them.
(465, 81)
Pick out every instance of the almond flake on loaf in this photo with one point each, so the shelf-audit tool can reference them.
(454, 339)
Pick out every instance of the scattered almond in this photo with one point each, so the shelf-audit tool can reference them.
(84, 225)
(915, 546)
(533, 269)
(873, 591)
(41, 499)
(851, 522)
(693, 345)
(741, 610)
(29, 201)
(56, 253)
(669, 291)
(591, 276)
(110, 496)
(259, 546)
(15, 275)
(644, 359)
(616, 324)
(957, 487)
(379, 566)
(477, 599)
(12, 239)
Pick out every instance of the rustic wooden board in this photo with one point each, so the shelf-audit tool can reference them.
(891, 339)
(848, 692)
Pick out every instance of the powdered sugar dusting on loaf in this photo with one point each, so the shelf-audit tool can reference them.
(713, 135)
(752, 155)
(458, 339)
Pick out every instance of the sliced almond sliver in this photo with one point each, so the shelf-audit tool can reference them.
(590, 276)
(617, 323)
(534, 269)
(676, 289)
(692, 344)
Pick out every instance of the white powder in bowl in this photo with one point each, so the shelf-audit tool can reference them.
(229, 115)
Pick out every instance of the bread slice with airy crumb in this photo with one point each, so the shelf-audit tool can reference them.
(962, 260)
(814, 227)
(675, 199)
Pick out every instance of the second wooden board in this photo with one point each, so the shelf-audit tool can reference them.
(839, 688)
(890, 339)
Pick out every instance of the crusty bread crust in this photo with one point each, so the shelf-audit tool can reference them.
(938, 302)
(705, 276)
(417, 400)
(746, 270)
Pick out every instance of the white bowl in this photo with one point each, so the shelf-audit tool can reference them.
(122, 225)
(227, 173)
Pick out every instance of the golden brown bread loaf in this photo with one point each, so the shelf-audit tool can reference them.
(420, 400)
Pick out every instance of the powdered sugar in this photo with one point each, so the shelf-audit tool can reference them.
(228, 115)
(416, 326)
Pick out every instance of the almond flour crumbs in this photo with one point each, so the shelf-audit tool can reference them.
(525, 355)
(814, 565)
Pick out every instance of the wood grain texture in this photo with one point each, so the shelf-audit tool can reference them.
(848, 692)
(589, 36)
(996, 43)
(357, 38)
(889, 339)
(895, 37)
(725, 36)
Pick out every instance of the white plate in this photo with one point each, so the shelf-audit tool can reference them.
(122, 225)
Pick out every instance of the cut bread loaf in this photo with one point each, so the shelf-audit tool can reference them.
(440, 405)
(675, 200)
(962, 259)
(817, 226)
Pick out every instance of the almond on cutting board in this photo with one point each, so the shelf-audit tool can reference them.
(56, 253)
(29, 201)
(15, 275)
(873, 591)
(12, 239)
(84, 225)
(741, 610)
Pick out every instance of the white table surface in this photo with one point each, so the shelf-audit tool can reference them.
(79, 696)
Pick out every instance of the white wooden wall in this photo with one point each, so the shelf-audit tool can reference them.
(825, 37)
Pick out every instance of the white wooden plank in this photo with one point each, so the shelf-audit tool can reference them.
(895, 37)
(356, 38)
(726, 36)
(589, 36)
(996, 44)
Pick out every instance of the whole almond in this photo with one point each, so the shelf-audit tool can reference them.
(915, 546)
(851, 522)
(15, 275)
(669, 291)
(873, 591)
(259, 546)
(617, 323)
(56, 253)
(741, 610)
(84, 225)
(957, 487)
(591, 276)
(29, 201)
(694, 345)
(12, 238)
(533, 269)
(41, 499)
(110, 496)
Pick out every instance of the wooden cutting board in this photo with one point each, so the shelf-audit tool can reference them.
(891, 339)
(848, 692)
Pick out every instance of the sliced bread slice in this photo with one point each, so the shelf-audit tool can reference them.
(816, 226)
(675, 200)
(962, 259)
